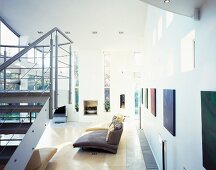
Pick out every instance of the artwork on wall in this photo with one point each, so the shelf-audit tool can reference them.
(208, 109)
(153, 101)
(169, 110)
(142, 96)
(122, 101)
(146, 97)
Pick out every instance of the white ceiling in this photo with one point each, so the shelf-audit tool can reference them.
(80, 18)
(183, 7)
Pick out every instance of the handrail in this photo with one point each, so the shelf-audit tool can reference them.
(25, 50)
(64, 35)
(24, 46)
(11, 29)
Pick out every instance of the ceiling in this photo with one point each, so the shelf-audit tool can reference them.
(182, 7)
(80, 18)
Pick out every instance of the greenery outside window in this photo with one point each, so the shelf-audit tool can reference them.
(76, 79)
(107, 82)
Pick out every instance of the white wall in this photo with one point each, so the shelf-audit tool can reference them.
(91, 84)
(122, 81)
(162, 69)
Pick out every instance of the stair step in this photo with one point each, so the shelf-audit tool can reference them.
(5, 153)
(19, 108)
(14, 128)
(23, 96)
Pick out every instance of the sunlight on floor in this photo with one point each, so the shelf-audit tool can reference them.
(62, 136)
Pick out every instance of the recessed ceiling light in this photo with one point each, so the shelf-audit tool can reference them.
(40, 32)
(166, 1)
(94, 32)
(121, 32)
(67, 32)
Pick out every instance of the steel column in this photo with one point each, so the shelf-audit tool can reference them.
(70, 75)
(51, 79)
(5, 69)
(43, 69)
(56, 72)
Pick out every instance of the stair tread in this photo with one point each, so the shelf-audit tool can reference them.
(17, 128)
(24, 96)
(6, 153)
(19, 108)
(24, 93)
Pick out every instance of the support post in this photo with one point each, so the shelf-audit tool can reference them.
(5, 69)
(140, 117)
(164, 152)
(30, 116)
(70, 75)
(43, 69)
(56, 72)
(51, 80)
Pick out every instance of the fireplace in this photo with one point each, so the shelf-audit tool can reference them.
(90, 107)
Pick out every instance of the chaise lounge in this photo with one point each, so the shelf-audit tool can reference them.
(102, 139)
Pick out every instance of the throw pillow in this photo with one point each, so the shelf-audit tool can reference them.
(111, 128)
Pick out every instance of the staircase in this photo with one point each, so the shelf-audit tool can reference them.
(9, 126)
(29, 94)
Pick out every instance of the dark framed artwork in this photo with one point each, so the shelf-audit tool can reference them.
(142, 95)
(153, 101)
(208, 111)
(146, 97)
(122, 101)
(169, 110)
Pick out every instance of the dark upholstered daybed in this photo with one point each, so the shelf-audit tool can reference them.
(107, 140)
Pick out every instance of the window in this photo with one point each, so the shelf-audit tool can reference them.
(76, 79)
(13, 81)
(8, 38)
(35, 83)
(107, 82)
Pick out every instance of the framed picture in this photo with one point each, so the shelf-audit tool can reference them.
(208, 111)
(169, 110)
(122, 101)
(146, 97)
(153, 101)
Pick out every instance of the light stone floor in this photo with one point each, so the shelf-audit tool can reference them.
(62, 136)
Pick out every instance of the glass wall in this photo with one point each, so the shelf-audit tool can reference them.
(76, 79)
(7, 37)
(107, 82)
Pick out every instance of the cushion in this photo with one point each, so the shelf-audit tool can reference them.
(101, 126)
(95, 129)
(111, 128)
(118, 125)
(114, 134)
(40, 158)
(120, 118)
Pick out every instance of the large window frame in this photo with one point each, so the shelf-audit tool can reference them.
(76, 81)
(107, 76)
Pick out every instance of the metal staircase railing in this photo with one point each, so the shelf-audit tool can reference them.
(37, 67)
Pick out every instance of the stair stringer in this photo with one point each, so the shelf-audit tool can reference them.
(25, 149)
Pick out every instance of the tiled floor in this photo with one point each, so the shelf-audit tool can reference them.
(62, 136)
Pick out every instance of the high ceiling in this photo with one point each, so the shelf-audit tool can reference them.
(80, 18)
(183, 7)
